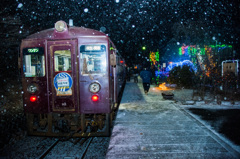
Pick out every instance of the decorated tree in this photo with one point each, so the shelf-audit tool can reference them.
(182, 76)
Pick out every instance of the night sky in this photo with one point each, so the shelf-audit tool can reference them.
(131, 24)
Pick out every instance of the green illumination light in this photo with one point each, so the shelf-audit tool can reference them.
(143, 48)
(180, 51)
(202, 51)
(157, 56)
(194, 51)
(219, 46)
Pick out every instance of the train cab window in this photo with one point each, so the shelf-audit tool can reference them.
(33, 62)
(93, 59)
(62, 60)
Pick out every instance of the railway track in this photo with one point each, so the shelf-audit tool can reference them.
(49, 149)
(82, 143)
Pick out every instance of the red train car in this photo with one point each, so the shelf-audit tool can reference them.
(71, 78)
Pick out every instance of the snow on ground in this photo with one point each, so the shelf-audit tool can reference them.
(143, 110)
(183, 99)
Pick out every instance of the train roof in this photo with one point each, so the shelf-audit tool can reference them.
(69, 32)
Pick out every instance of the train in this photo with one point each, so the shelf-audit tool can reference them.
(72, 79)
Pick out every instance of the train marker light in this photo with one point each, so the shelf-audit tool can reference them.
(33, 98)
(95, 98)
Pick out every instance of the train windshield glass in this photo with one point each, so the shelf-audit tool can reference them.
(93, 59)
(33, 62)
(62, 60)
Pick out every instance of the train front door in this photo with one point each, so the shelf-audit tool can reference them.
(62, 67)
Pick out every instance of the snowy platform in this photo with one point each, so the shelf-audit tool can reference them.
(148, 126)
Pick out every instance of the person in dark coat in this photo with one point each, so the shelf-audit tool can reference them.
(146, 79)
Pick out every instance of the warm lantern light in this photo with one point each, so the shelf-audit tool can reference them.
(95, 98)
(163, 86)
(33, 98)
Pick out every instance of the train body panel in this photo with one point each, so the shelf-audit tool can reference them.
(68, 77)
(41, 105)
(119, 77)
(62, 79)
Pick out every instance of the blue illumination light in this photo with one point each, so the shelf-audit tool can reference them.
(181, 63)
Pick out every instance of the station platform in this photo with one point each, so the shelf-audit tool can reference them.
(148, 126)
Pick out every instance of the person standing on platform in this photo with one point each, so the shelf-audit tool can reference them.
(128, 74)
(135, 75)
(146, 79)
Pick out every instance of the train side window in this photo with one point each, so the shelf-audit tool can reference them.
(62, 60)
(33, 62)
(93, 59)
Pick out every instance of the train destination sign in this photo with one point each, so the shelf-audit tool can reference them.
(63, 83)
(35, 50)
(93, 48)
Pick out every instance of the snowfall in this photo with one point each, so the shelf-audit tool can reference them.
(18, 145)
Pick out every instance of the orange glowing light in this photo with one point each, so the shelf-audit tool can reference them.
(163, 86)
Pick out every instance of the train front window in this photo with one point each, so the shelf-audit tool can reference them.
(33, 62)
(93, 59)
(62, 60)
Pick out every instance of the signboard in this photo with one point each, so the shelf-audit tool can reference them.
(63, 83)
(230, 66)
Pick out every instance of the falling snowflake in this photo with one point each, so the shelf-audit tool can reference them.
(20, 5)
(102, 29)
(86, 10)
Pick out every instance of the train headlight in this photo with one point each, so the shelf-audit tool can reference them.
(32, 88)
(94, 87)
(60, 26)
